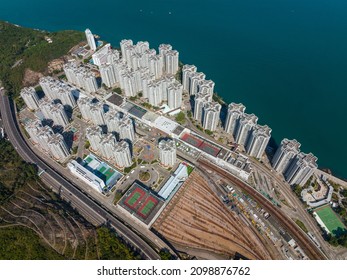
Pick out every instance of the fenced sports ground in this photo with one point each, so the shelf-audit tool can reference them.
(201, 144)
(102, 170)
(141, 202)
(330, 220)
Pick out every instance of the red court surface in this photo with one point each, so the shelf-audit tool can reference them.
(201, 144)
(147, 207)
(141, 202)
(133, 200)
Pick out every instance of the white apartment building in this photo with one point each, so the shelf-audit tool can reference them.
(30, 98)
(167, 152)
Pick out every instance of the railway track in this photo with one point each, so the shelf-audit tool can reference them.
(303, 241)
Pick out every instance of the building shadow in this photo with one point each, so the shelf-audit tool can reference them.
(271, 148)
(40, 94)
(223, 114)
(68, 138)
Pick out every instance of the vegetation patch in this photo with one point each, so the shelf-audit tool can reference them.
(181, 118)
(144, 176)
(15, 173)
(24, 48)
(21, 243)
(128, 169)
(301, 225)
(111, 247)
(190, 169)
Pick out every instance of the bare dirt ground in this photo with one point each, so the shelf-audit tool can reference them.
(196, 218)
(64, 230)
(31, 77)
(57, 64)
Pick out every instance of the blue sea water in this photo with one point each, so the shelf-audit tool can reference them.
(286, 60)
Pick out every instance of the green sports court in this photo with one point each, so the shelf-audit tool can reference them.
(101, 169)
(141, 202)
(330, 219)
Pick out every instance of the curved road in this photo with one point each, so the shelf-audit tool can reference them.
(82, 202)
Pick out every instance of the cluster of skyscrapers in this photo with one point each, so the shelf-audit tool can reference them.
(58, 90)
(116, 122)
(246, 131)
(119, 126)
(141, 69)
(91, 110)
(57, 95)
(106, 55)
(55, 112)
(81, 76)
(206, 111)
(108, 147)
(297, 167)
(44, 137)
(167, 152)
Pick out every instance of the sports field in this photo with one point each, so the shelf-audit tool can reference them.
(329, 218)
(109, 173)
(141, 203)
(134, 198)
(147, 206)
(210, 149)
(191, 140)
(88, 159)
(201, 144)
(102, 170)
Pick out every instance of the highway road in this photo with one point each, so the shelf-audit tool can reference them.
(87, 207)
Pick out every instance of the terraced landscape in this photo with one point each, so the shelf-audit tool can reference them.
(35, 223)
(60, 228)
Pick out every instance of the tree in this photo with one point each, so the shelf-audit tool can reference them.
(87, 145)
(30, 47)
(180, 118)
(74, 150)
(118, 90)
(165, 254)
(111, 247)
(117, 196)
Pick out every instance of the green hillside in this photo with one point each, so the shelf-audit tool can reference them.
(30, 50)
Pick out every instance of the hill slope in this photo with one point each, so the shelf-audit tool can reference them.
(24, 48)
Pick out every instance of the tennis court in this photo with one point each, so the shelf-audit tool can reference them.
(210, 149)
(134, 198)
(330, 219)
(147, 207)
(191, 140)
(201, 144)
(141, 203)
